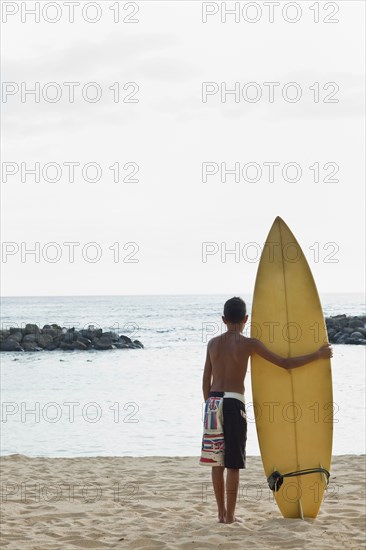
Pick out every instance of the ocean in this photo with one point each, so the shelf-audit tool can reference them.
(141, 402)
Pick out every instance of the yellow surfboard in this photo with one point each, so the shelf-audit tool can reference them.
(293, 408)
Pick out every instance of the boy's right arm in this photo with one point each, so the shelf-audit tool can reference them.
(258, 347)
(207, 376)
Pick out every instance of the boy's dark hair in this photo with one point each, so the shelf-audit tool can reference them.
(235, 310)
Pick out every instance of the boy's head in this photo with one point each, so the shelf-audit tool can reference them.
(235, 312)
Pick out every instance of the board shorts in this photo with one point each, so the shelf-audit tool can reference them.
(224, 431)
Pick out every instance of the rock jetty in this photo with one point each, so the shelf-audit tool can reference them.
(51, 337)
(343, 329)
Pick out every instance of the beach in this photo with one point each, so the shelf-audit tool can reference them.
(97, 454)
(165, 503)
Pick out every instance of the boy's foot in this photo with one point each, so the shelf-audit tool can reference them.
(221, 519)
(234, 520)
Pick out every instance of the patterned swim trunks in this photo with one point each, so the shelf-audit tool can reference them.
(225, 431)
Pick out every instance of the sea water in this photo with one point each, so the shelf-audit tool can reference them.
(148, 401)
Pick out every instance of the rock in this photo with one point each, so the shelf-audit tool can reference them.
(57, 340)
(104, 339)
(31, 329)
(337, 322)
(52, 345)
(10, 345)
(91, 332)
(107, 336)
(125, 339)
(14, 330)
(69, 337)
(84, 341)
(102, 344)
(28, 338)
(44, 340)
(332, 325)
(111, 335)
(16, 335)
(30, 346)
(347, 330)
(120, 345)
(138, 344)
(66, 346)
(356, 341)
(356, 323)
(356, 335)
(79, 345)
(52, 332)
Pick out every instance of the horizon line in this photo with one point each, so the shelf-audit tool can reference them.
(157, 294)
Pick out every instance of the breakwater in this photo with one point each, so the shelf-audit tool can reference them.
(51, 337)
(343, 329)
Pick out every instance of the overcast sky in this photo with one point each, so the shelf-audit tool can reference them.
(170, 212)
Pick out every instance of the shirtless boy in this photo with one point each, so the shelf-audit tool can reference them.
(225, 424)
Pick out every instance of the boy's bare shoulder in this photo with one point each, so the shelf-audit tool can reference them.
(245, 341)
(242, 340)
(213, 341)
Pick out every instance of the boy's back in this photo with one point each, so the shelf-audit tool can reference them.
(229, 355)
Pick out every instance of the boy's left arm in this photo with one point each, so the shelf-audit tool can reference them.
(207, 375)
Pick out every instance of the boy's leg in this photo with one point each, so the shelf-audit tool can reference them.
(232, 484)
(219, 488)
(235, 429)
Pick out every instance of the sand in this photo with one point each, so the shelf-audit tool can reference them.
(157, 503)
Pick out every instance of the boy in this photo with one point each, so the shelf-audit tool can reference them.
(225, 424)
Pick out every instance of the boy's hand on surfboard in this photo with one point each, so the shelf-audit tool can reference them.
(325, 351)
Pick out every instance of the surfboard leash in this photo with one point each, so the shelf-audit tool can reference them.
(275, 480)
